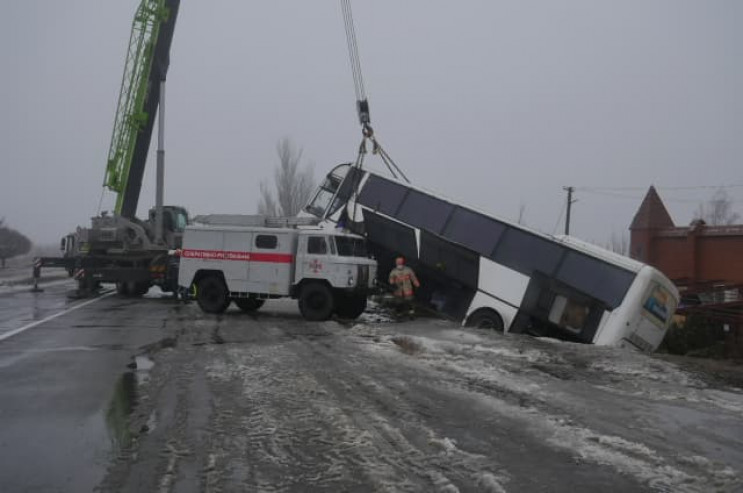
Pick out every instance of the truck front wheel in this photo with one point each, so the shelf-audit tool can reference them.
(316, 302)
(212, 295)
(350, 305)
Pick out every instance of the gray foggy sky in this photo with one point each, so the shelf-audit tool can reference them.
(494, 103)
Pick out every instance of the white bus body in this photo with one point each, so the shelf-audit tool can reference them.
(486, 271)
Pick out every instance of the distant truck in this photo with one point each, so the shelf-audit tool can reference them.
(328, 271)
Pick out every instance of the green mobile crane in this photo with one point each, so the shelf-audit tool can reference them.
(119, 248)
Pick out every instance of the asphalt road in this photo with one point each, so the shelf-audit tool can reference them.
(151, 395)
(57, 380)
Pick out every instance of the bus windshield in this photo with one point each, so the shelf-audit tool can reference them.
(350, 247)
(325, 194)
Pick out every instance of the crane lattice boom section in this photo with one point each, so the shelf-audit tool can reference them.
(131, 116)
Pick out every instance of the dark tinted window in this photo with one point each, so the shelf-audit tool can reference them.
(473, 230)
(526, 253)
(382, 195)
(425, 212)
(317, 245)
(395, 237)
(606, 282)
(266, 241)
(350, 183)
(449, 260)
(350, 247)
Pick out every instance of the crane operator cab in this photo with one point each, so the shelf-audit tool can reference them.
(175, 220)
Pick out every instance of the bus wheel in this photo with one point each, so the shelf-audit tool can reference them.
(248, 305)
(316, 302)
(486, 319)
(350, 305)
(212, 295)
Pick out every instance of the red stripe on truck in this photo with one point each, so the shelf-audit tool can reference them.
(272, 258)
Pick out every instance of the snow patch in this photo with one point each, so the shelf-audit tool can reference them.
(632, 458)
(376, 313)
(447, 445)
(489, 483)
(648, 369)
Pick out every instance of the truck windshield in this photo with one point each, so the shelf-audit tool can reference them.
(181, 221)
(350, 247)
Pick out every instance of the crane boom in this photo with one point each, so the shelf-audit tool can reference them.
(146, 66)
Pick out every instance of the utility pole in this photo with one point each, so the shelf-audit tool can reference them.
(570, 203)
(160, 175)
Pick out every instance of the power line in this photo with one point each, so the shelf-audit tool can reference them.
(620, 195)
(692, 187)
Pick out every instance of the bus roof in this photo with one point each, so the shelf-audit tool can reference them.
(301, 230)
(568, 241)
(600, 252)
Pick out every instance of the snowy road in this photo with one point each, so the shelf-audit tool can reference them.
(273, 403)
(151, 395)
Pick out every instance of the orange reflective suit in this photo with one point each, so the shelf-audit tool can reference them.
(404, 279)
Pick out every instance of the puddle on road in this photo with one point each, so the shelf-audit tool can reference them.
(124, 403)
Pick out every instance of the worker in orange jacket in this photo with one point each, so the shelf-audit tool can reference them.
(403, 279)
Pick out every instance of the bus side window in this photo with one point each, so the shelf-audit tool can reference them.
(569, 314)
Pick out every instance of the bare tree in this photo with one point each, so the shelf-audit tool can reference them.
(12, 244)
(618, 243)
(293, 183)
(718, 211)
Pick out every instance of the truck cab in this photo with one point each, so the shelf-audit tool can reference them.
(327, 270)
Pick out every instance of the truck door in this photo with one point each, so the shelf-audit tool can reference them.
(236, 265)
(271, 262)
(314, 260)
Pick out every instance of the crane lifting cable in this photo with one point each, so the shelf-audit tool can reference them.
(362, 103)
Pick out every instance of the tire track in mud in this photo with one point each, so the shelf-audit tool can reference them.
(290, 434)
(388, 406)
(278, 404)
(310, 419)
(554, 422)
(479, 450)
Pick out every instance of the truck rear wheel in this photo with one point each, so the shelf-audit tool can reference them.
(316, 302)
(350, 305)
(212, 295)
(248, 305)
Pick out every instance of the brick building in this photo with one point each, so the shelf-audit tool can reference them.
(705, 262)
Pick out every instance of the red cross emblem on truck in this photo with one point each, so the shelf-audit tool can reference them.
(315, 266)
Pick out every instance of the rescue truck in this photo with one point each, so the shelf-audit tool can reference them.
(326, 269)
